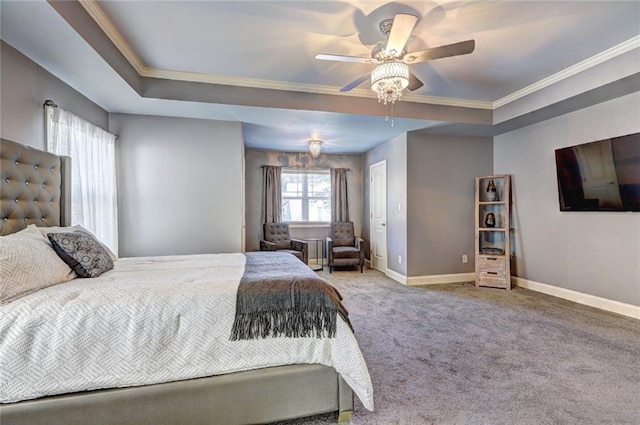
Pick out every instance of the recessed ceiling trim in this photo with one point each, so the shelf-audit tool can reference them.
(114, 35)
(602, 57)
(446, 101)
(196, 77)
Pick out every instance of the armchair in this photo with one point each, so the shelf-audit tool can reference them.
(277, 238)
(343, 248)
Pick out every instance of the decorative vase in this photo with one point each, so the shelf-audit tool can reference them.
(492, 194)
(490, 220)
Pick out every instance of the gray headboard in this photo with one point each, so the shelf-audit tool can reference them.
(35, 188)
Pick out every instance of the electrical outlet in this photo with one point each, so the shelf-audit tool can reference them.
(465, 259)
(399, 259)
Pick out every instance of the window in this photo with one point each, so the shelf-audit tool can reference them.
(93, 172)
(306, 195)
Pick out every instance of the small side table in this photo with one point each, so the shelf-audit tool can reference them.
(319, 258)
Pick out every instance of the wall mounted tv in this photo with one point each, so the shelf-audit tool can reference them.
(600, 176)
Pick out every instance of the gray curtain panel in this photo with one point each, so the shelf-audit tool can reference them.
(271, 194)
(339, 195)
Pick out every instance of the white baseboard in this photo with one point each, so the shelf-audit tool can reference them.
(441, 278)
(618, 307)
(400, 278)
(396, 276)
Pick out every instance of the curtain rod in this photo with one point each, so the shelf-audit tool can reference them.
(53, 104)
(49, 102)
(299, 168)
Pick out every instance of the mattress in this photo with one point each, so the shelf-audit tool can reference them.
(150, 320)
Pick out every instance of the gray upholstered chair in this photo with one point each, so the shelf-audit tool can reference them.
(343, 247)
(277, 238)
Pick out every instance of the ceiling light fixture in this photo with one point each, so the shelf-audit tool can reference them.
(315, 146)
(388, 80)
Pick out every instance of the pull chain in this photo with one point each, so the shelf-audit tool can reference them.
(392, 123)
(386, 113)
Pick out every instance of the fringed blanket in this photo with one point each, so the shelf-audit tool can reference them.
(280, 296)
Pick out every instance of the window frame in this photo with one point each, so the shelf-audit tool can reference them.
(305, 198)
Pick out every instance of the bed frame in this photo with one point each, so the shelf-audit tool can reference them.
(35, 188)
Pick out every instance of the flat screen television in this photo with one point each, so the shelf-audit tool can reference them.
(600, 176)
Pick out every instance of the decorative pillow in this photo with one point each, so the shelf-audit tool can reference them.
(27, 264)
(82, 252)
(76, 227)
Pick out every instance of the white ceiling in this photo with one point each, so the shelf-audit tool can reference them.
(273, 44)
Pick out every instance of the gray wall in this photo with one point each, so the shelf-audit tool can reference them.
(430, 183)
(441, 174)
(394, 152)
(156, 214)
(254, 158)
(180, 185)
(24, 87)
(595, 253)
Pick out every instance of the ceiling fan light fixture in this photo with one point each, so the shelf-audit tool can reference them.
(315, 146)
(388, 80)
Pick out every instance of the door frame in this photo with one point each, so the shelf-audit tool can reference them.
(371, 226)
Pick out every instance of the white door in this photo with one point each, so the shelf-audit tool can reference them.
(378, 216)
(599, 180)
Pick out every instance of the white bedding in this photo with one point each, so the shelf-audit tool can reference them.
(149, 320)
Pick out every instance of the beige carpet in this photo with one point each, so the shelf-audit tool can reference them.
(456, 354)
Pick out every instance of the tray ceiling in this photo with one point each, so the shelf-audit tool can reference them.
(272, 45)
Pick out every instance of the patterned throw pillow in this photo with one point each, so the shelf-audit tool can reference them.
(82, 252)
(28, 264)
(75, 228)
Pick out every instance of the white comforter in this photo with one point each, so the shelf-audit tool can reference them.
(149, 320)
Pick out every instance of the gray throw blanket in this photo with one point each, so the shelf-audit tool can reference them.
(279, 296)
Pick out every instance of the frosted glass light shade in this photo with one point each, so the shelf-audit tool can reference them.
(315, 146)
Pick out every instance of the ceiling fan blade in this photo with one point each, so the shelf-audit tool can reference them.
(344, 58)
(414, 82)
(355, 83)
(400, 32)
(455, 49)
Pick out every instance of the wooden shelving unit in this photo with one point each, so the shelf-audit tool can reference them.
(492, 231)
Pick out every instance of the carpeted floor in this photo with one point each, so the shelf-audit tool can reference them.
(456, 354)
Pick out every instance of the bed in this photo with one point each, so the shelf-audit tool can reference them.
(219, 380)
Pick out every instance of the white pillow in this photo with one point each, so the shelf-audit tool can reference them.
(29, 263)
(75, 227)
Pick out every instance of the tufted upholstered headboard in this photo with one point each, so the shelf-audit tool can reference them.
(35, 188)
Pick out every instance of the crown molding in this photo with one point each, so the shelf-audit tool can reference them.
(94, 10)
(114, 35)
(448, 101)
(586, 64)
(196, 77)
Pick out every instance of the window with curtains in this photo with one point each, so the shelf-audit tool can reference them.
(93, 172)
(306, 195)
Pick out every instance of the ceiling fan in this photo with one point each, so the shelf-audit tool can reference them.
(392, 51)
